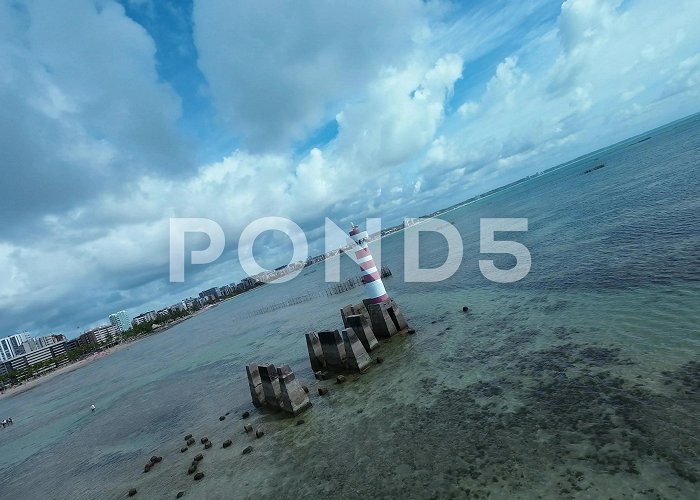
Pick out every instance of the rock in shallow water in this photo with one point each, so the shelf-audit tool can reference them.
(322, 391)
(198, 476)
(132, 492)
(248, 428)
(222, 418)
(245, 414)
(188, 437)
(247, 450)
(259, 433)
(183, 449)
(226, 443)
(207, 445)
(180, 494)
(198, 457)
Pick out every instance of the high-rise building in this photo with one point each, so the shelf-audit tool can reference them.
(11, 345)
(121, 320)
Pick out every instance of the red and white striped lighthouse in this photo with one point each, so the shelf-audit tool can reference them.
(371, 276)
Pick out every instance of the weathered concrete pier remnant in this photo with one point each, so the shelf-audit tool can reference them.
(271, 385)
(313, 344)
(333, 349)
(386, 318)
(294, 399)
(356, 357)
(255, 384)
(339, 351)
(276, 388)
(358, 320)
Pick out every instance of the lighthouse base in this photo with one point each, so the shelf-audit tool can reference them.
(386, 318)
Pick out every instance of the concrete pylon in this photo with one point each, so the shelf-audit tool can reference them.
(360, 324)
(271, 385)
(313, 344)
(385, 317)
(356, 357)
(293, 398)
(333, 349)
(255, 383)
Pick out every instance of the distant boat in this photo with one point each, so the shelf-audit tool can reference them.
(594, 168)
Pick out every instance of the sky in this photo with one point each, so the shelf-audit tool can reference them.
(117, 116)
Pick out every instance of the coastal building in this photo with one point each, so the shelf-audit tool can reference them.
(179, 307)
(146, 317)
(103, 334)
(248, 282)
(53, 351)
(11, 345)
(34, 344)
(211, 294)
(120, 320)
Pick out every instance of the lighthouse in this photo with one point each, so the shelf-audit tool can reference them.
(371, 276)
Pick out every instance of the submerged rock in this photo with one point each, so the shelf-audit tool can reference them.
(132, 492)
(198, 457)
(198, 476)
(204, 440)
(190, 441)
(207, 445)
(192, 468)
(340, 379)
(465, 309)
(322, 391)
(300, 422)
(245, 414)
(248, 428)
(227, 443)
(259, 433)
(247, 450)
(188, 437)
(184, 449)
(305, 388)
(147, 467)
(180, 494)
(222, 418)
(380, 360)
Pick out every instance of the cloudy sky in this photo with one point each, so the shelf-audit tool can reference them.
(116, 116)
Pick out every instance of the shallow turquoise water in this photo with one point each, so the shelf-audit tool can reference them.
(579, 381)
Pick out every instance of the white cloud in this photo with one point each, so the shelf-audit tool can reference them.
(276, 70)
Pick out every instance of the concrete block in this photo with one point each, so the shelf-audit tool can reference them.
(386, 318)
(356, 357)
(333, 349)
(360, 324)
(255, 383)
(294, 399)
(313, 344)
(271, 385)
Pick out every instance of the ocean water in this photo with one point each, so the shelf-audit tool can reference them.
(580, 381)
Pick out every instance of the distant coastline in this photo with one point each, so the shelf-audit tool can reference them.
(45, 377)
